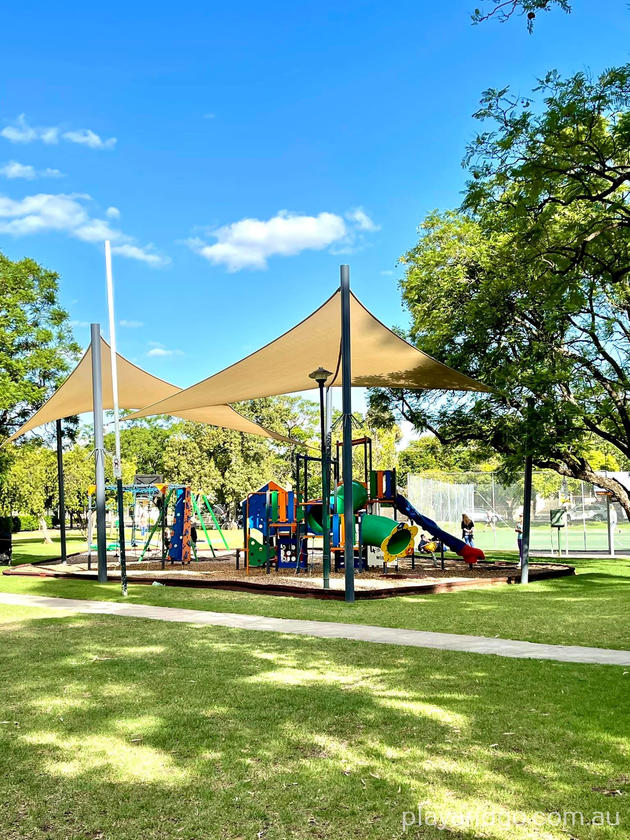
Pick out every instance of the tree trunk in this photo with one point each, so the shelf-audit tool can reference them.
(44, 527)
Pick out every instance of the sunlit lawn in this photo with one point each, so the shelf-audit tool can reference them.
(120, 729)
(593, 537)
(590, 608)
(29, 546)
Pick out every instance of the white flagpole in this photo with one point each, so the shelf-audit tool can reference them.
(117, 459)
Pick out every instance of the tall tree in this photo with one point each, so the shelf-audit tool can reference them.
(143, 442)
(36, 344)
(30, 483)
(527, 287)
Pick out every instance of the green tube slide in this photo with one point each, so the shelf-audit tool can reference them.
(392, 537)
(314, 518)
(359, 498)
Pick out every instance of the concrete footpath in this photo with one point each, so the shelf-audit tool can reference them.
(331, 630)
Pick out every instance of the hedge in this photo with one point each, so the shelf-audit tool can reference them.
(23, 522)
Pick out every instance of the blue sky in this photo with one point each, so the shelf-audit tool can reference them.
(336, 126)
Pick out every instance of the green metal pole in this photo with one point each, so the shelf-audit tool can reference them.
(346, 387)
(203, 525)
(214, 519)
(157, 524)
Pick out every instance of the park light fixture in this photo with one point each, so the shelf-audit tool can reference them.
(320, 376)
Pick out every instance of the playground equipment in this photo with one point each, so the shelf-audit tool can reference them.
(281, 526)
(273, 531)
(172, 508)
(468, 553)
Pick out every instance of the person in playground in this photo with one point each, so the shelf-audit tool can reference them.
(425, 544)
(193, 535)
(142, 522)
(468, 528)
(519, 538)
(428, 547)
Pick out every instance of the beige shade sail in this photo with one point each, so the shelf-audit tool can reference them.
(135, 387)
(380, 358)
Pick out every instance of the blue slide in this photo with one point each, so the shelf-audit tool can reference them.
(468, 553)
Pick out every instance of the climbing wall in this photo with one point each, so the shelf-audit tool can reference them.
(180, 550)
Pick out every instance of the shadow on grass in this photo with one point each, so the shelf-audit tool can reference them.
(588, 609)
(129, 728)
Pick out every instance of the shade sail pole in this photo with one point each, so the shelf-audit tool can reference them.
(99, 451)
(62, 493)
(346, 389)
(117, 459)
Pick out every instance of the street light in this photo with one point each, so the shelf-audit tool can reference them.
(320, 376)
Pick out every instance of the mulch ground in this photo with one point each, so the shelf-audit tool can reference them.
(221, 572)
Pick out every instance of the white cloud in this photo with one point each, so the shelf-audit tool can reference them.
(89, 138)
(112, 213)
(387, 273)
(12, 169)
(249, 243)
(131, 324)
(361, 219)
(79, 323)
(67, 214)
(20, 131)
(209, 116)
(141, 253)
(164, 351)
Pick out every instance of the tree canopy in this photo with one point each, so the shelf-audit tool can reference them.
(36, 345)
(526, 286)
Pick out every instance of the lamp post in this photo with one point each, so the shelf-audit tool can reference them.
(320, 376)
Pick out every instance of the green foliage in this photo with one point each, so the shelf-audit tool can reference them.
(143, 444)
(78, 467)
(427, 454)
(27, 522)
(30, 484)
(226, 464)
(36, 344)
(7, 525)
(527, 288)
(223, 463)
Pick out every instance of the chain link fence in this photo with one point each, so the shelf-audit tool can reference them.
(590, 521)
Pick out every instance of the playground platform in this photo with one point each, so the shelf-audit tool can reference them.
(220, 573)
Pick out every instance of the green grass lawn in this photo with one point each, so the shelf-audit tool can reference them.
(592, 538)
(121, 729)
(588, 609)
(29, 546)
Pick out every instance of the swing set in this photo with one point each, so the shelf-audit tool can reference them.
(175, 504)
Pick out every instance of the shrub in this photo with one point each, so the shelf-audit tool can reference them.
(28, 522)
